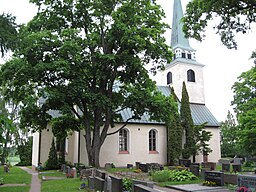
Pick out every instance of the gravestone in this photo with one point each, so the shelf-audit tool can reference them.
(215, 176)
(143, 167)
(108, 185)
(6, 168)
(108, 165)
(116, 184)
(145, 183)
(237, 167)
(226, 167)
(68, 172)
(248, 181)
(194, 169)
(100, 174)
(63, 168)
(73, 172)
(238, 160)
(203, 170)
(143, 188)
(129, 166)
(91, 182)
(155, 167)
(99, 183)
(85, 173)
(230, 179)
(137, 164)
(184, 162)
(210, 165)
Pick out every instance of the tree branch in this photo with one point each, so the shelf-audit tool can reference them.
(127, 121)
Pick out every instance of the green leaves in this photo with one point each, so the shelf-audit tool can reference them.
(235, 17)
(245, 107)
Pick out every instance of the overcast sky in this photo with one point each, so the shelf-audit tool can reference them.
(222, 66)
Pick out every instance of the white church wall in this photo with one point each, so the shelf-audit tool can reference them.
(72, 148)
(35, 150)
(214, 143)
(46, 141)
(138, 146)
(179, 74)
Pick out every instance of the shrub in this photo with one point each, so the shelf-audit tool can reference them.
(52, 162)
(127, 184)
(161, 176)
(184, 175)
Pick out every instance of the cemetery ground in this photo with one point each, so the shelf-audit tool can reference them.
(18, 180)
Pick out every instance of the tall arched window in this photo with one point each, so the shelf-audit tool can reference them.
(123, 140)
(152, 140)
(191, 75)
(169, 78)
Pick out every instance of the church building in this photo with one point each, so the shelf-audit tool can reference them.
(145, 140)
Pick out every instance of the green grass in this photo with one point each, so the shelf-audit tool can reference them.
(16, 175)
(64, 185)
(52, 173)
(114, 170)
(15, 189)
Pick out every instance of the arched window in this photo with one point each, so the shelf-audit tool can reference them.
(152, 140)
(191, 75)
(123, 140)
(169, 78)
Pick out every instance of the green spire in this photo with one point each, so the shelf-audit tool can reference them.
(178, 39)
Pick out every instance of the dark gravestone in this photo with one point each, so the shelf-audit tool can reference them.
(145, 183)
(6, 168)
(143, 167)
(237, 167)
(155, 167)
(230, 179)
(99, 183)
(226, 167)
(248, 181)
(203, 170)
(100, 174)
(194, 169)
(210, 165)
(129, 166)
(91, 182)
(116, 184)
(184, 162)
(137, 164)
(143, 188)
(238, 160)
(215, 176)
(63, 168)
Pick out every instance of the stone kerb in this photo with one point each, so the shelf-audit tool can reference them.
(116, 183)
(143, 188)
(145, 183)
(230, 178)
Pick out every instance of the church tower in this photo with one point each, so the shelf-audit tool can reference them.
(184, 66)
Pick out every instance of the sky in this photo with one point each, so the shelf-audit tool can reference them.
(222, 66)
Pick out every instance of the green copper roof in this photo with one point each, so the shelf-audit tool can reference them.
(178, 37)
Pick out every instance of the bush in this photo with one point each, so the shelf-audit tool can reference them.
(52, 162)
(25, 153)
(161, 176)
(127, 184)
(173, 175)
(183, 175)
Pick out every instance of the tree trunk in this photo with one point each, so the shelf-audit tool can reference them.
(4, 155)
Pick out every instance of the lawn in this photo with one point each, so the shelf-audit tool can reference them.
(15, 176)
(64, 185)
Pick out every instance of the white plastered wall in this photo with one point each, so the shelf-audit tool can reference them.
(35, 150)
(179, 74)
(215, 155)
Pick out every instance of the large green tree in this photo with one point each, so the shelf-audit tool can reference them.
(87, 60)
(234, 17)
(8, 33)
(244, 103)
(190, 147)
